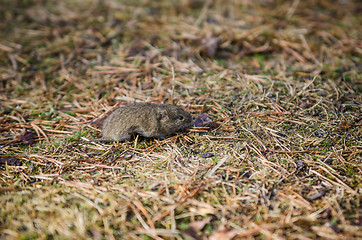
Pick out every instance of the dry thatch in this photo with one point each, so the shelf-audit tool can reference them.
(281, 81)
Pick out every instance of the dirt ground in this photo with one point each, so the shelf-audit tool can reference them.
(280, 82)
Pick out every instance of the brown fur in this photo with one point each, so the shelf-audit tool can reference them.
(147, 119)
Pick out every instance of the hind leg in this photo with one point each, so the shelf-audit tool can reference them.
(123, 137)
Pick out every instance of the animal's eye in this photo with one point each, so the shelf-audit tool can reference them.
(180, 117)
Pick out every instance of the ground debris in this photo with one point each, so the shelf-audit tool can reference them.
(273, 88)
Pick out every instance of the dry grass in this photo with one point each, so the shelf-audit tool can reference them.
(280, 79)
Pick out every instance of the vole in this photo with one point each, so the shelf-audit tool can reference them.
(146, 119)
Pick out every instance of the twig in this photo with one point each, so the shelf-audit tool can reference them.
(221, 162)
(339, 183)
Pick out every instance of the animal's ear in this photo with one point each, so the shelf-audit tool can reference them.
(162, 114)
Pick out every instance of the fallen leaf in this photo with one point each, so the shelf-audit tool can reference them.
(210, 44)
(26, 137)
(195, 227)
(202, 119)
(11, 161)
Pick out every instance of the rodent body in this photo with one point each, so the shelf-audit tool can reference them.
(147, 119)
